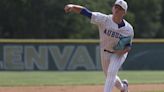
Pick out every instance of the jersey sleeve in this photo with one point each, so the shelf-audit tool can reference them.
(98, 18)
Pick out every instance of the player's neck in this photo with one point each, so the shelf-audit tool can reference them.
(117, 20)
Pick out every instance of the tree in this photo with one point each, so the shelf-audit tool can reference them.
(81, 26)
(47, 19)
(147, 17)
(160, 33)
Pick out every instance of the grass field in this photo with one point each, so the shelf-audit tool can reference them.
(46, 78)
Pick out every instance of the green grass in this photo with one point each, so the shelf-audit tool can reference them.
(143, 76)
(154, 91)
(16, 78)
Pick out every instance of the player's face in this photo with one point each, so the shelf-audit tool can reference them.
(118, 11)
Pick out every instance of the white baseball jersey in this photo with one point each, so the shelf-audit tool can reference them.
(110, 34)
(109, 31)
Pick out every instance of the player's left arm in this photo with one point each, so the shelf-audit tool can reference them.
(125, 50)
(127, 47)
(125, 43)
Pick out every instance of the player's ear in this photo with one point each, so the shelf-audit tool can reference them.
(124, 13)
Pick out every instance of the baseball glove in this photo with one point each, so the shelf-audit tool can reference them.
(122, 43)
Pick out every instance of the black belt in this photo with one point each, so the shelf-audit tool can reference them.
(108, 51)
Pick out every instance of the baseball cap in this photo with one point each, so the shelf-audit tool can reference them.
(122, 3)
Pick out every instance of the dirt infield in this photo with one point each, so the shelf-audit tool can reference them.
(95, 88)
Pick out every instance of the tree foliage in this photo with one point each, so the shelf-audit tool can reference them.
(47, 19)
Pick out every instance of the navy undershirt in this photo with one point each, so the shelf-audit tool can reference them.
(122, 24)
(86, 12)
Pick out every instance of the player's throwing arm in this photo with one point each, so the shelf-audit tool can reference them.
(71, 8)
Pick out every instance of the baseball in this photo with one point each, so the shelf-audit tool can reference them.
(70, 5)
(68, 8)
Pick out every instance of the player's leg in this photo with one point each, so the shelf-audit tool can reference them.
(119, 84)
(105, 60)
(115, 63)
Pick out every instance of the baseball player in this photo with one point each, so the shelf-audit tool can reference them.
(112, 28)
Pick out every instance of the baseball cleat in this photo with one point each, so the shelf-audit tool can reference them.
(125, 83)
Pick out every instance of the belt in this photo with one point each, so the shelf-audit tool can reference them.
(108, 51)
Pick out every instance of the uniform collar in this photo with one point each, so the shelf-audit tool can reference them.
(122, 24)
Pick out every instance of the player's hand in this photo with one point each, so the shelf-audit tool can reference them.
(68, 8)
(121, 52)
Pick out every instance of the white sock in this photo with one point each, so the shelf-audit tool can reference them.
(119, 84)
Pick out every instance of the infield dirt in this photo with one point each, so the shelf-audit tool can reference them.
(83, 88)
